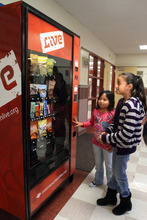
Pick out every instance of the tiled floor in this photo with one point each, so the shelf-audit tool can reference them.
(82, 204)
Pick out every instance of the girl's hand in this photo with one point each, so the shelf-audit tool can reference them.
(100, 139)
(77, 123)
(98, 136)
(109, 149)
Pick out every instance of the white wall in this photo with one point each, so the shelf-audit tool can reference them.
(87, 39)
(131, 60)
(144, 75)
(83, 76)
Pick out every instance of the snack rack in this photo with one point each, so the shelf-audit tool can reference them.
(39, 99)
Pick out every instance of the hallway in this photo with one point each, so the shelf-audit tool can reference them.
(82, 204)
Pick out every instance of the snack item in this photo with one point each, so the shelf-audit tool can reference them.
(42, 61)
(34, 130)
(49, 66)
(32, 110)
(51, 88)
(45, 108)
(34, 89)
(42, 90)
(42, 127)
(34, 63)
(36, 110)
(41, 108)
(49, 124)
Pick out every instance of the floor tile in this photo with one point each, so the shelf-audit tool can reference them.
(141, 180)
(77, 209)
(91, 195)
(141, 169)
(142, 161)
(139, 209)
(58, 217)
(105, 213)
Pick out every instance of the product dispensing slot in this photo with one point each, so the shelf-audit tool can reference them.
(74, 133)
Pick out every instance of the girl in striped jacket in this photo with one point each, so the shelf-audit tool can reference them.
(124, 135)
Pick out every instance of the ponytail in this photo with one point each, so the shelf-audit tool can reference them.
(138, 87)
(139, 91)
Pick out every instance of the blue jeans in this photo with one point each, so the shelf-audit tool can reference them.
(119, 180)
(102, 155)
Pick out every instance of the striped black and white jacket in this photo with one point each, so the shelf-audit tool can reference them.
(125, 132)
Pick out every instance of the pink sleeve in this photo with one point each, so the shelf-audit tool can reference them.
(89, 123)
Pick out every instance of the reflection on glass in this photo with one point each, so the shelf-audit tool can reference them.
(98, 68)
(91, 65)
(90, 88)
(89, 109)
(98, 86)
(111, 69)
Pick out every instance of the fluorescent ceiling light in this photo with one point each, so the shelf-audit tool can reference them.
(143, 47)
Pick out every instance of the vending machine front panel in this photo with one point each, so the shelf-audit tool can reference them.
(50, 70)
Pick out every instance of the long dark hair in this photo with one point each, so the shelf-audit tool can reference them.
(138, 86)
(110, 97)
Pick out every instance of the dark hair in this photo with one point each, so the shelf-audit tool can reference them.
(110, 96)
(138, 86)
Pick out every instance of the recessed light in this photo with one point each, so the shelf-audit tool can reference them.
(143, 47)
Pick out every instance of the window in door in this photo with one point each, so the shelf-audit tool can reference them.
(95, 82)
(112, 78)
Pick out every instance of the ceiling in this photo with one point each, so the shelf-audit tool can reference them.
(120, 24)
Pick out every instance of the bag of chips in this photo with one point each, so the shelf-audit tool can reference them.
(49, 124)
(34, 129)
(42, 127)
(42, 90)
(34, 63)
(49, 66)
(42, 61)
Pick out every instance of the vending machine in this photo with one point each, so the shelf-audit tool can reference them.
(39, 73)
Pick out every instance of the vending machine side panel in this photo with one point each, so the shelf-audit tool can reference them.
(11, 145)
(75, 100)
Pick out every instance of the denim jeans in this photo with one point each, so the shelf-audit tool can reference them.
(102, 156)
(119, 180)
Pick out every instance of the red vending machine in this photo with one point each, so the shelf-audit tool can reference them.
(39, 72)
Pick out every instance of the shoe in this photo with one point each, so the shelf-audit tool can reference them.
(124, 206)
(109, 199)
(92, 184)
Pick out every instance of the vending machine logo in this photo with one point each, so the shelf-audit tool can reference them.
(51, 41)
(10, 78)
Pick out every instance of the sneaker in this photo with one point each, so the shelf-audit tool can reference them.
(92, 184)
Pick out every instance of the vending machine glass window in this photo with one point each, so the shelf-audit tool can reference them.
(49, 100)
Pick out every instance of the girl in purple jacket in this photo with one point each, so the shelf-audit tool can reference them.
(124, 135)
